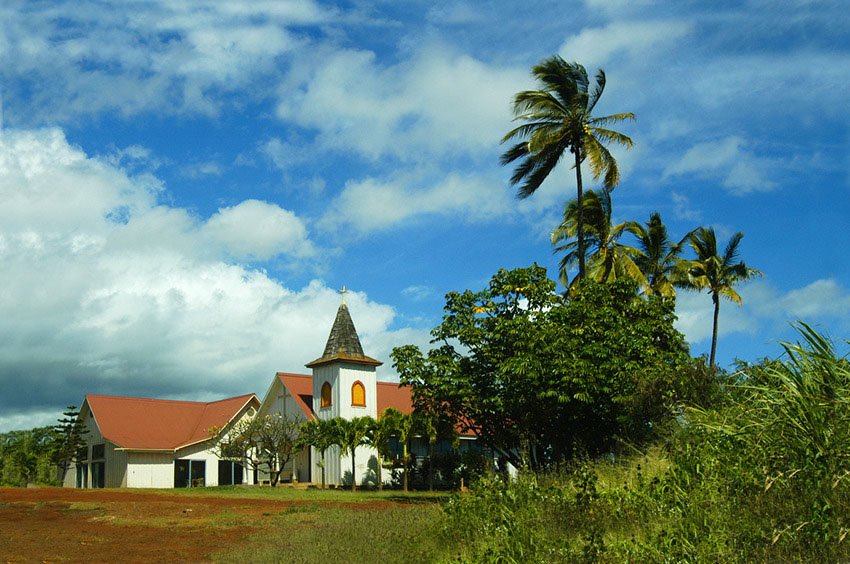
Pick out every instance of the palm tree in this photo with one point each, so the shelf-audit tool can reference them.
(607, 258)
(558, 118)
(716, 273)
(382, 432)
(659, 257)
(318, 433)
(353, 433)
(402, 429)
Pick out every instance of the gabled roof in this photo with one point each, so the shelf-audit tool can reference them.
(343, 343)
(300, 387)
(156, 424)
(390, 394)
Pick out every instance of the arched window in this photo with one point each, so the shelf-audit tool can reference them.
(358, 394)
(326, 395)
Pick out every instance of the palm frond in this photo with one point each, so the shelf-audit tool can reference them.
(596, 93)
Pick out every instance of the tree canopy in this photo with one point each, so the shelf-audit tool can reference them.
(536, 373)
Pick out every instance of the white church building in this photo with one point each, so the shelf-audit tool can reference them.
(155, 443)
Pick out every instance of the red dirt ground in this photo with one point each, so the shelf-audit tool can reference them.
(70, 525)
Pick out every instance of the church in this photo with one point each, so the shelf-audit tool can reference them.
(156, 443)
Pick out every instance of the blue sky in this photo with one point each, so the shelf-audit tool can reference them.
(186, 185)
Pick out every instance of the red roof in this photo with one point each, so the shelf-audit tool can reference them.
(389, 394)
(300, 386)
(394, 395)
(156, 424)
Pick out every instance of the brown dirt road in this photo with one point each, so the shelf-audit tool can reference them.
(69, 525)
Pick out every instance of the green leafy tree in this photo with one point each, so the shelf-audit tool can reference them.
(69, 438)
(558, 118)
(659, 259)
(717, 273)
(25, 457)
(537, 375)
(265, 442)
(608, 259)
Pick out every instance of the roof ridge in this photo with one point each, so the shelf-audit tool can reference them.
(190, 402)
(147, 399)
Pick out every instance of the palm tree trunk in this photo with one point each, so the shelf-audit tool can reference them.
(353, 480)
(430, 466)
(380, 471)
(716, 299)
(580, 215)
(405, 462)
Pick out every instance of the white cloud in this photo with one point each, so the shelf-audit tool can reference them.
(595, 47)
(763, 305)
(171, 57)
(682, 208)
(141, 301)
(375, 204)
(820, 300)
(418, 293)
(201, 170)
(258, 230)
(740, 170)
(435, 103)
(695, 313)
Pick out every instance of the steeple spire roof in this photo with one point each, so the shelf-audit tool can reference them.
(343, 343)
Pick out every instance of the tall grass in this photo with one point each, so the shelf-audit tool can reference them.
(764, 478)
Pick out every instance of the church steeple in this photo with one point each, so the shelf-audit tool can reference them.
(343, 343)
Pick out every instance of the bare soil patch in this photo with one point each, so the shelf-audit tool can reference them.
(69, 525)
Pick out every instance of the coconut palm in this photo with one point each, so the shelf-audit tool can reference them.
(320, 434)
(716, 273)
(659, 259)
(607, 258)
(352, 433)
(382, 432)
(401, 425)
(557, 118)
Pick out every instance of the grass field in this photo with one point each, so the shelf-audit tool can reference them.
(219, 524)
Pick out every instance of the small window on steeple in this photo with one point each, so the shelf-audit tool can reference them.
(358, 394)
(326, 395)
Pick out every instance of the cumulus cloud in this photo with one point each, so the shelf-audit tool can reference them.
(258, 230)
(824, 300)
(142, 300)
(375, 204)
(596, 46)
(172, 57)
(739, 169)
(437, 102)
(695, 315)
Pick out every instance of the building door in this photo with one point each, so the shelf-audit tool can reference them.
(189, 473)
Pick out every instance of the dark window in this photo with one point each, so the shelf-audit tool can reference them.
(83, 454)
(98, 452)
(229, 473)
(189, 473)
